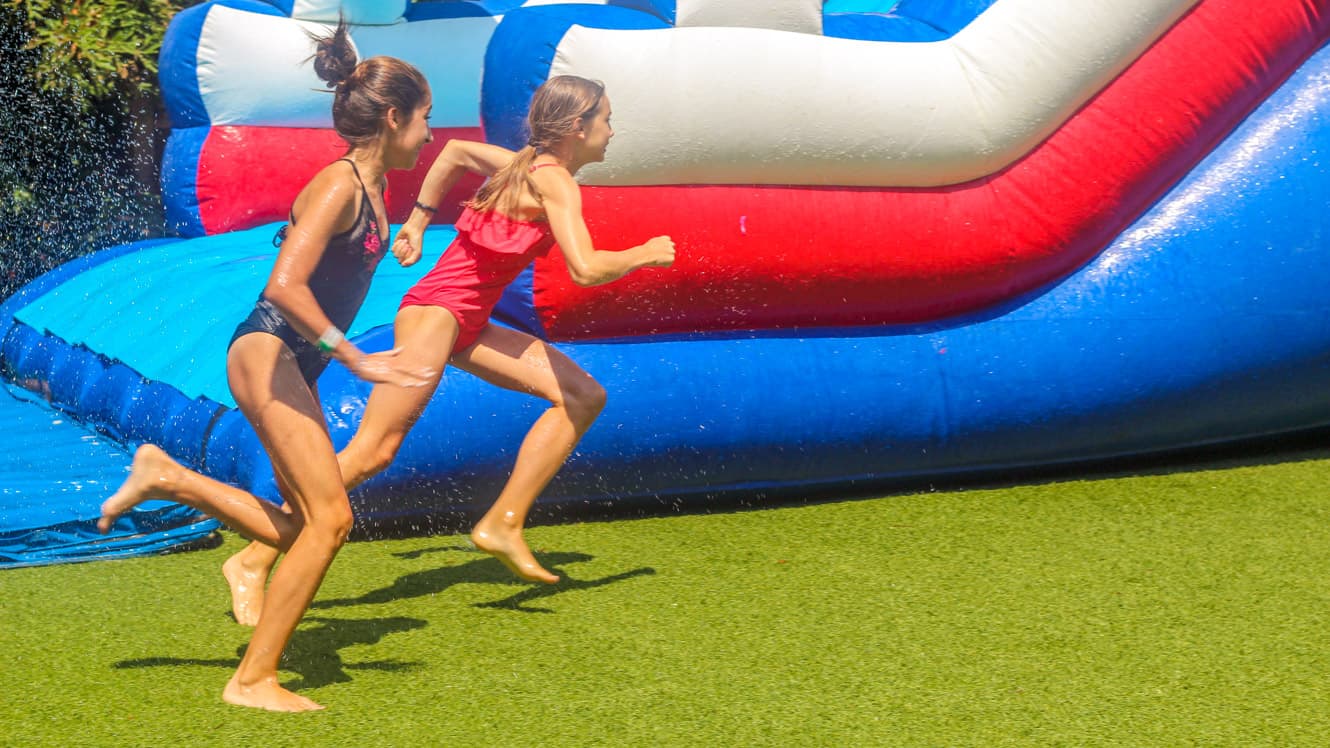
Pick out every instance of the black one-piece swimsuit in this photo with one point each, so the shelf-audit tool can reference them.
(340, 283)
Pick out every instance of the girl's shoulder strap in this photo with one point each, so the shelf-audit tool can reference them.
(539, 166)
(364, 191)
(355, 171)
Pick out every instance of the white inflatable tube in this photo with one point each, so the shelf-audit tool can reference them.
(755, 106)
(803, 16)
(252, 68)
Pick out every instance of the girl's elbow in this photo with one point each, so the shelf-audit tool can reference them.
(274, 295)
(278, 295)
(450, 156)
(584, 275)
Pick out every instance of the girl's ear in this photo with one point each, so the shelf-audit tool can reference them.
(394, 119)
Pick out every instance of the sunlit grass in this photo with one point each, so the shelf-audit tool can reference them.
(1175, 606)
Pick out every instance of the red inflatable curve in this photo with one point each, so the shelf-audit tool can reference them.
(755, 257)
(250, 175)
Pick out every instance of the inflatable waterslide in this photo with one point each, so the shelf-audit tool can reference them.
(916, 238)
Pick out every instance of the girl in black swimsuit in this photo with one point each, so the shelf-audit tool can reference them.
(319, 280)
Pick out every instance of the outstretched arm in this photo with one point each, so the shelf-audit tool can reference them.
(587, 265)
(457, 158)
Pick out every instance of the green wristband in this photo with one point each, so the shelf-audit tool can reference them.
(330, 339)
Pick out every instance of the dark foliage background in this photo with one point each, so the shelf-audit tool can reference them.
(81, 129)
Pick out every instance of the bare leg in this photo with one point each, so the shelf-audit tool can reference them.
(389, 415)
(426, 335)
(289, 423)
(154, 475)
(520, 362)
(275, 399)
(247, 571)
(247, 575)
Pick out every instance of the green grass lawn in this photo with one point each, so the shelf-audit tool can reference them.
(1176, 605)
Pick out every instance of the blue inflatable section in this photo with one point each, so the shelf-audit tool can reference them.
(904, 21)
(180, 175)
(181, 306)
(54, 470)
(1204, 322)
(54, 475)
(420, 10)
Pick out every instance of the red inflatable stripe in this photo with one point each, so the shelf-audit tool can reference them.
(249, 176)
(760, 257)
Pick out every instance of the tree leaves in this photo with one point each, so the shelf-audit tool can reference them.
(97, 50)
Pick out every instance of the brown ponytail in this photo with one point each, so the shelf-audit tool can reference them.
(559, 107)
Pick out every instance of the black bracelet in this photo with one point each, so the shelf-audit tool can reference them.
(426, 208)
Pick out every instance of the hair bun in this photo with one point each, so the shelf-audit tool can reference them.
(334, 56)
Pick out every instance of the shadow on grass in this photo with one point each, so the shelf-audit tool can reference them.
(483, 570)
(313, 653)
(567, 584)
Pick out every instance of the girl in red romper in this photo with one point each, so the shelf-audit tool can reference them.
(490, 251)
(529, 204)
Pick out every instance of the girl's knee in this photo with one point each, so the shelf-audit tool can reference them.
(384, 453)
(366, 457)
(333, 526)
(584, 400)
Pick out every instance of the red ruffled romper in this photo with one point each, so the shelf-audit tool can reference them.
(490, 251)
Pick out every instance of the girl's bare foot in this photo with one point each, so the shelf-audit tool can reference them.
(506, 544)
(267, 694)
(149, 478)
(246, 589)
